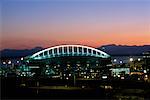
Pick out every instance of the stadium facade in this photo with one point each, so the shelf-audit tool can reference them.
(69, 61)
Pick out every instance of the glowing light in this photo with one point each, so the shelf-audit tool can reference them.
(115, 60)
(83, 86)
(146, 76)
(9, 62)
(122, 77)
(68, 65)
(121, 62)
(54, 66)
(91, 70)
(139, 59)
(131, 59)
(145, 71)
(34, 67)
(22, 58)
(88, 77)
(78, 64)
(4, 63)
(104, 77)
(17, 61)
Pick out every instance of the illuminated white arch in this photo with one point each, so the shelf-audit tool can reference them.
(69, 50)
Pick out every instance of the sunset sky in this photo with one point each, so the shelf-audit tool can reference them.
(26, 24)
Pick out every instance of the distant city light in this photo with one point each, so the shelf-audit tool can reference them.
(27, 61)
(9, 62)
(4, 63)
(54, 66)
(104, 77)
(78, 64)
(88, 65)
(87, 77)
(145, 71)
(17, 61)
(131, 59)
(34, 67)
(139, 59)
(109, 65)
(139, 79)
(91, 70)
(146, 76)
(115, 60)
(118, 75)
(122, 77)
(121, 62)
(83, 86)
(22, 58)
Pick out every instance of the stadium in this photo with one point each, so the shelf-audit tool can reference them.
(68, 62)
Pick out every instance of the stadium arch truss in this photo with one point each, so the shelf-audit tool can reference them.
(68, 50)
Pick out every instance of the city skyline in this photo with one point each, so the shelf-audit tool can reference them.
(31, 23)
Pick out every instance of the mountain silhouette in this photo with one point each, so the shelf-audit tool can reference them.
(19, 53)
(124, 50)
(112, 49)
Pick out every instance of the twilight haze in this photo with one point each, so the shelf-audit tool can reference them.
(30, 23)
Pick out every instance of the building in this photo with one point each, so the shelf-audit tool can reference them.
(146, 58)
(67, 62)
